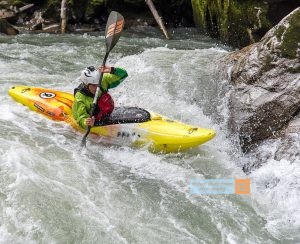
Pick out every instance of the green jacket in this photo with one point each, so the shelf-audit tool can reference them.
(83, 100)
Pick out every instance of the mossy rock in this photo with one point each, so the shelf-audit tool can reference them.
(284, 38)
(290, 35)
(6, 28)
(234, 22)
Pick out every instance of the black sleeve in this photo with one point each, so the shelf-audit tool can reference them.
(112, 70)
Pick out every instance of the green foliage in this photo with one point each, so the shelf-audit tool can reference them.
(199, 9)
(54, 2)
(16, 2)
(97, 2)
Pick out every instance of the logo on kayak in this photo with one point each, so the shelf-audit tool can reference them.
(191, 130)
(127, 134)
(39, 107)
(47, 95)
(25, 90)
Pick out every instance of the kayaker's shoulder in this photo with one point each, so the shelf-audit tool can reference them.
(120, 71)
(79, 96)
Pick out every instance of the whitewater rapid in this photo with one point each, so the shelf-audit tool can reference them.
(53, 192)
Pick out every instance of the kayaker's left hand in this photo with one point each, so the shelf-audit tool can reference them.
(105, 69)
(90, 121)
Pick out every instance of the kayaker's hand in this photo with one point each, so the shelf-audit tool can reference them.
(90, 121)
(105, 69)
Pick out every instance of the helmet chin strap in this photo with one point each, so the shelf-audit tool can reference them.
(92, 88)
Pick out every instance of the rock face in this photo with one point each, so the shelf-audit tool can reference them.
(6, 28)
(265, 100)
(289, 147)
(4, 13)
(240, 23)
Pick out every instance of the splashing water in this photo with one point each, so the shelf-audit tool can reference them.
(54, 193)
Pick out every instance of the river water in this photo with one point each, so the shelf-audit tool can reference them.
(53, 192)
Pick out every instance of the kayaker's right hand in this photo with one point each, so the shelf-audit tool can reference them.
(90, 121)
(105, 69)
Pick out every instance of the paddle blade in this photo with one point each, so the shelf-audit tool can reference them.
(83, 141)
(114, 27)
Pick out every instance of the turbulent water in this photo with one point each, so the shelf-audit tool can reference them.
(53, 192)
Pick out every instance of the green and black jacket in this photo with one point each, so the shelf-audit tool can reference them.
(83, 98)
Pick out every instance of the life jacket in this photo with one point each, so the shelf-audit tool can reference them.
(84, 89)
(105, 103)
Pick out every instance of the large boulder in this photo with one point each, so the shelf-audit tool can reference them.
(7, 10)
(265, 99)
(7, 28)
(6, 13)
(289, 146)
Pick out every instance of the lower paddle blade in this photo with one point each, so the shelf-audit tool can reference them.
(83, 141)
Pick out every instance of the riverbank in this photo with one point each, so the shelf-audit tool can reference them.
(233, 22)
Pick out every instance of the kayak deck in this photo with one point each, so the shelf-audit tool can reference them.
(126, 126)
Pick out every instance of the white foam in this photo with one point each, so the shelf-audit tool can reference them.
(276, 184)
(87, 189)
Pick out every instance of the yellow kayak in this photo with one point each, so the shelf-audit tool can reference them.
(126, 126)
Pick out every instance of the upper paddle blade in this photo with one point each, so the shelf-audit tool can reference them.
(114, 27)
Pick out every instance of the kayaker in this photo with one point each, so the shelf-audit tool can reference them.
(84, 94)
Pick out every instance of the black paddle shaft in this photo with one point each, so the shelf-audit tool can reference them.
(94, 105)
(114, 27)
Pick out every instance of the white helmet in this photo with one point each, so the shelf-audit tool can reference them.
(89, 75)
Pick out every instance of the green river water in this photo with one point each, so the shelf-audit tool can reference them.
(53, 192)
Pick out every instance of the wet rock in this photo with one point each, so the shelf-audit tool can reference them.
(286, 146)
(7, 28)
(9, 12)
(266, 93)
(4, 13)
(36, 22)
(289, 147)
(6, 10)
(37, 26)
(293, 127)
(95, 13)
(84, 28)
(139, 22)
